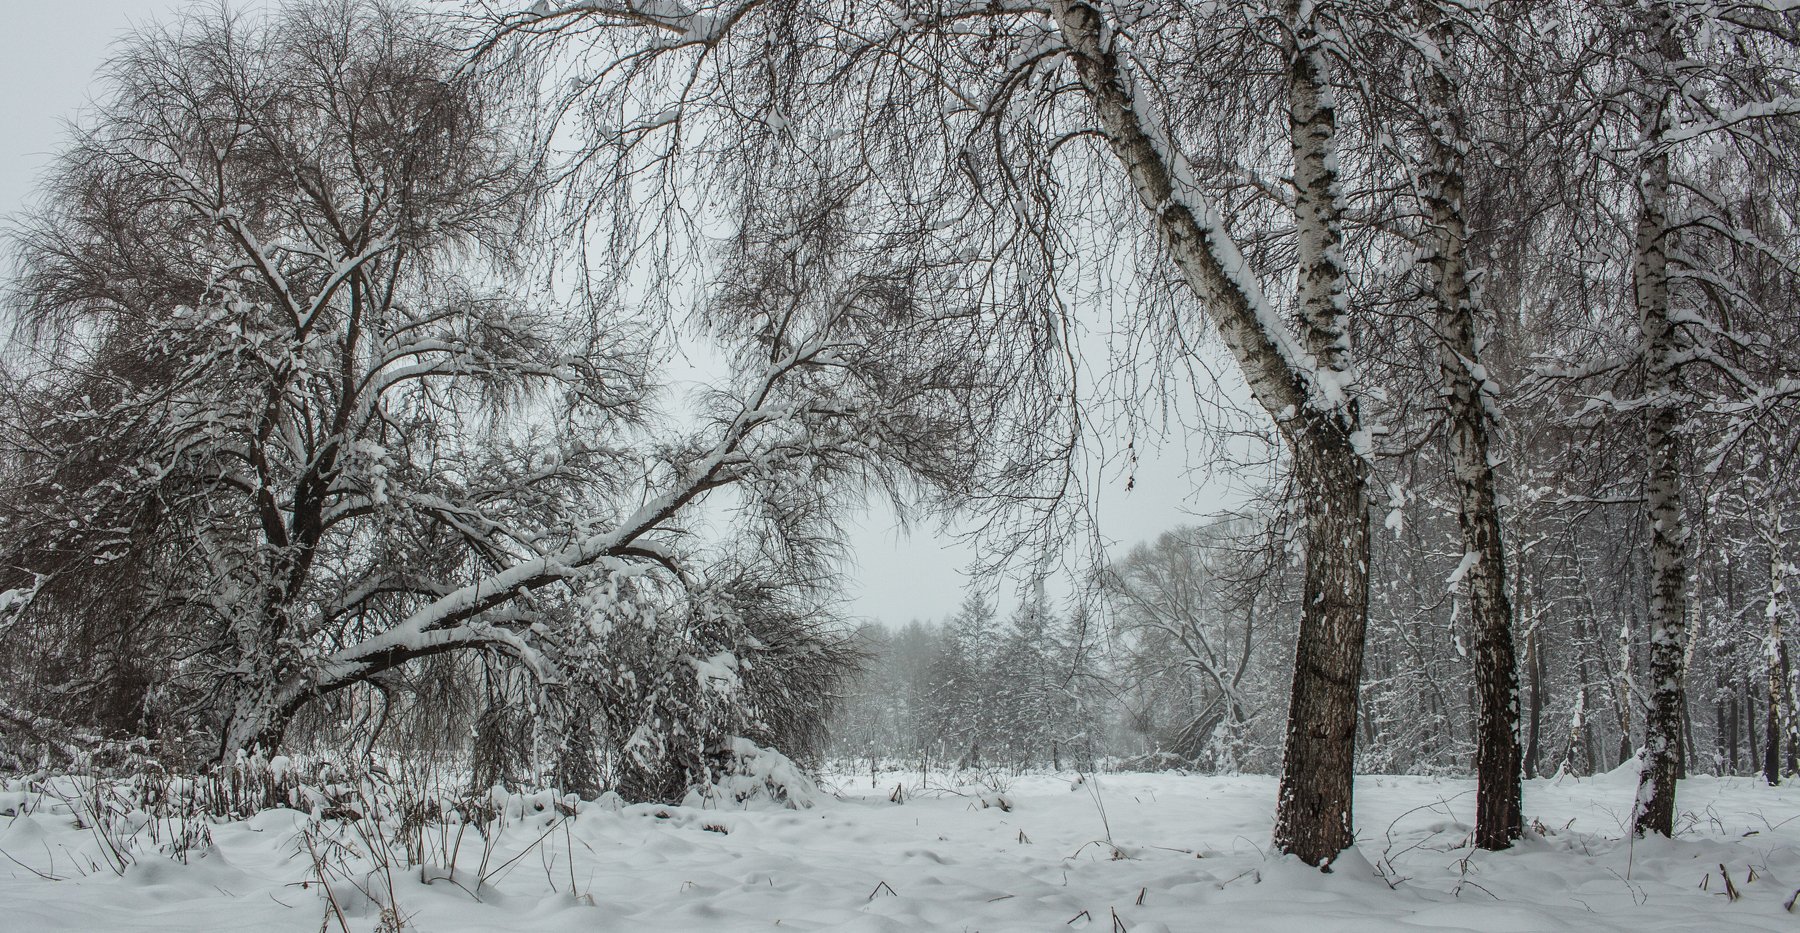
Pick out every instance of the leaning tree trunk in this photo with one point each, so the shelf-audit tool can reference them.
(1308, 393)
(1465, 387)
(1655, 810)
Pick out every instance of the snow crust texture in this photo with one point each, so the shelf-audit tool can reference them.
(1139, 852)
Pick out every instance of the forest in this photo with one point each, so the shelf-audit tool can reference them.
(466, 400)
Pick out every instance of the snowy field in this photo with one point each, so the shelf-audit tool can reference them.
(1138, 852)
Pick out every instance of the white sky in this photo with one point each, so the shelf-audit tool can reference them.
(49, 51)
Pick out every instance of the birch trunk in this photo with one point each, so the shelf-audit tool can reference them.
(1470, 424)
(1313, 817)
(1655, 811)
(1302, 384)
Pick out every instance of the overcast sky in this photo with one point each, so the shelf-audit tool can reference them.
(48, 54)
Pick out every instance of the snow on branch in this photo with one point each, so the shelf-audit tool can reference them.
(1285, 378)
(453, 620)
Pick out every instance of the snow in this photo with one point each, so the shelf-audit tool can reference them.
(1396, 517)
(758, 778)
(21, 596)
(1040, 852)
(719, 672)
(1468, 562)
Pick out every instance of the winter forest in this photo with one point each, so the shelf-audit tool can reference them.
(431, 434)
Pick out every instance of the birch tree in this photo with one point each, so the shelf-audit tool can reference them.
(1186, 172)
(1668, 597)
(1675, 92)
(982, 105)
(1437, 46)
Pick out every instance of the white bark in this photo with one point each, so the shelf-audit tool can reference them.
(1305, 383)
(1661, 344)
(1465, 389)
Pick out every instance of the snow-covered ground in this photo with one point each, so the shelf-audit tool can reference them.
(1138, 852)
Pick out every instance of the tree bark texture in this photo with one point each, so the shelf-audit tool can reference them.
(1313, 813)
(1304, 388)
(1774, 656)
(1470, 425)
(1534, 652)
(1655, 812)
(1313, 816)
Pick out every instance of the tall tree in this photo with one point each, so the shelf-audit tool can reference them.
(1661, 51)
(1468, 396)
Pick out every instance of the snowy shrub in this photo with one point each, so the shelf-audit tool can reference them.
(666, 702)
(749, 776)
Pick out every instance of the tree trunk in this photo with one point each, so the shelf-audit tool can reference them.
(1685, 760)
(254, 724)
(1732, 744)
(1313, 818)
(1720, 760)
(1580, 730)
(1771, 764)
(1775, 660)
(1622, 691)
(1465, 389)
(1750, 726)
(253, 719)
(1533, 753)
(1727, 685)
(1655, 811)
(1310, 394)
(1788, 714)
